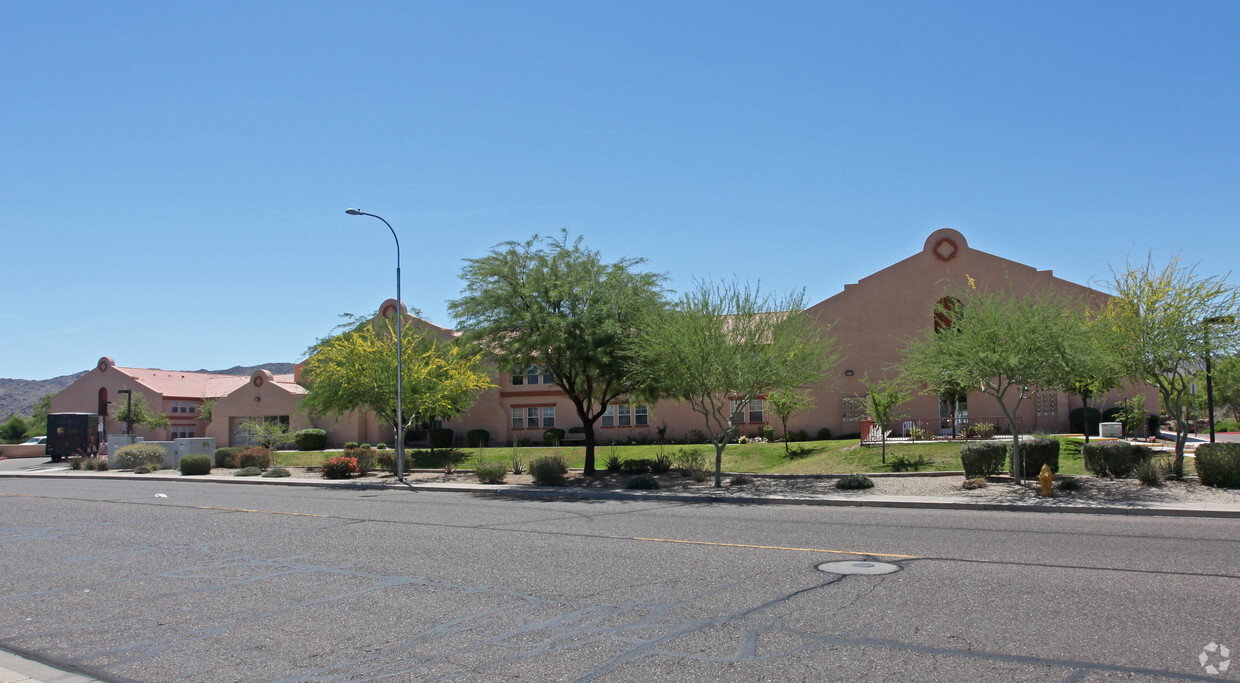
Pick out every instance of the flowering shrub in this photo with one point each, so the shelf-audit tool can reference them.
(366, 458)
(339, 467)
(254, 456)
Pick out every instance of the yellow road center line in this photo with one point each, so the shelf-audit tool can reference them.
(776, 547)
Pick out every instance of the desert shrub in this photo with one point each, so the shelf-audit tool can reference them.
(477, 438)
(696, 436)
(195, 464)
(366, 457)
(386, 461)
(1114, 458)
(854, 481)
(1077, 421)
(517, 466)
(974, 483)
(982, 459)
(247, 472)
(690, 460)
(491, 472)
(133, 456)
(901, 463)
(824, 434)
(661, 463)
(637, 466)
(227, 457)
(1218, 464)
(310, 439)
(277, 472)
(918, 434)
(350, 444)
(553, 436)
(768, 432)
(613, 463)
(979, 430)
(549, 470)
(339, 467)
(1148, 473)
(442, 437)
(75, 463)
(1038, 451)
(97, 464)
(254, 456)
(642, 481)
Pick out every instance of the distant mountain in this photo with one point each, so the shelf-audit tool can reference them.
(20, 395)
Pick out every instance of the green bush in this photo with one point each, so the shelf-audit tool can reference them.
(577, 430)
(1218, 464)
(135, 455)
(691, 461)
(1076, 420)
(768, 432)
(1227, 426)
(442, 437)
(350, 444)
(982, 459)
(614, 463)
(97, 464)
(254, 456)
(979, 430)
(247, 472)
(553, 436)
(1114, 458)
(1038, 451)
(386, 461)
(366, 458)
(642, 481)
(477, 438)
(854, 481)
(661, 463)
(824, 434)
(277, 472)
(380, 446)
(1149, 473)
(339, 467)
(637, 466)
(549, 471)
(311, 439)
(491, 472)
(1153, 424)
(900, 463)
(227, 457)
(195, 464)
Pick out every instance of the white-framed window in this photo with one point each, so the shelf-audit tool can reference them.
(757, 410)
(626, 415)
(854, 408)
(531, 375)
(548, 417)
(518, 418)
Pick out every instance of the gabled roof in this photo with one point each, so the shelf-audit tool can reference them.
(172, 384)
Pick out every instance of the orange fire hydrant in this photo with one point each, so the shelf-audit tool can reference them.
(1047, 478)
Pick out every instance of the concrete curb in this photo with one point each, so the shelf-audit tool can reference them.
(17, 669)
(1207, 510)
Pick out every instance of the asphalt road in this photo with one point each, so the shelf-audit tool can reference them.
(239, 583)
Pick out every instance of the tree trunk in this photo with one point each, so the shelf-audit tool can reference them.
(719, 446)
(1085, 417)
(587, 428)
(785, 424)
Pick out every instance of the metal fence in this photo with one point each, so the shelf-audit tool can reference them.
(934, 428)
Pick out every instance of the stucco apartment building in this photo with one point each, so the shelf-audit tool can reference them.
(871, 321)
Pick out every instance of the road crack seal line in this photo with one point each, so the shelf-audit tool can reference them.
(776, 547)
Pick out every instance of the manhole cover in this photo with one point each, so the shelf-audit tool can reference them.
(858, 567)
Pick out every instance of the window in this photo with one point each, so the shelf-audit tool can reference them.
(180, 432)
(736, 412)
(626, 415)
(531, 418)
(243, 436)
(518, 376)
(756, 409)
(518, 416)
(531, 376)
(1046, 402)
(183, 407)
(854, 408)
(548, 416)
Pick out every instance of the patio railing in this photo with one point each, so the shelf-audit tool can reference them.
(934, 428)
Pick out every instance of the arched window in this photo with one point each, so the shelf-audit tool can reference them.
(944, 310)
(103, 401)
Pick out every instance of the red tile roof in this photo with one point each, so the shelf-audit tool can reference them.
(172, 384)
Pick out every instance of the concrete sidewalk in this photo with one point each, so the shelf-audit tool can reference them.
(17, 669)
(1063, 505)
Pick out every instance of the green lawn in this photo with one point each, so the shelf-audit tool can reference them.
(840, 456)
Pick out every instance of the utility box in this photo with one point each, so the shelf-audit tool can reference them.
(72, 434)
(1111, 429)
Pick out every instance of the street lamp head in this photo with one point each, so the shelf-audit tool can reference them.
(354, 212)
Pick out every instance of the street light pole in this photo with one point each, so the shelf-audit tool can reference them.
(400, 414)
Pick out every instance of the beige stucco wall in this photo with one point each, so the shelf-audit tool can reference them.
(262, 396)
(83, 396)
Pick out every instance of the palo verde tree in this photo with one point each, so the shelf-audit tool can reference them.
(881, 400)
(1226, 380)
(556, 304)
(784, 402)
(1163, 322)
(1007, 344)
(356, 370)
(1094, 369)
(138, 412)
(722, 345)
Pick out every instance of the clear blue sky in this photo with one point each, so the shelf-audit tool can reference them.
(173, 175)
